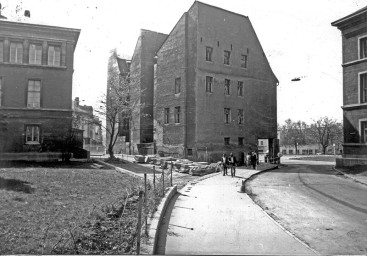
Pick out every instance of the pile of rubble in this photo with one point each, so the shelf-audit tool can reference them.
(180, 165)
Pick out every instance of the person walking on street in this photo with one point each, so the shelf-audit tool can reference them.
(224, 161)
(254, 160)
(232, 163)
(248, 159)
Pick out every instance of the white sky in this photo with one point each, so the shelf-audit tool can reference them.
(296, 36)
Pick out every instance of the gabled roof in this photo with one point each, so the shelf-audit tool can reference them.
(340, 22)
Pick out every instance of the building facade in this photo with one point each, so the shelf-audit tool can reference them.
(142, 85)
(214, 90)
(91, 126)
(354, 44)
(36, 70)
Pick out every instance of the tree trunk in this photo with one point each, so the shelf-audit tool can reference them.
(110, 151)
(324, 149)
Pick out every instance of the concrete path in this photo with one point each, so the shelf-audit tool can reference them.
(212, 217)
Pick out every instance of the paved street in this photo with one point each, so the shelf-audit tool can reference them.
(327, 211)
(212, 217)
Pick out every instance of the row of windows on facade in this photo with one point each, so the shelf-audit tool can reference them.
(227, 142)
(226, 57)
(33, 93)
(227, 115)
(35, 54)
(209, 86)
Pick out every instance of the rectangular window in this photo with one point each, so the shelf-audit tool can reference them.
(126, 124)
(178, 85)
(243, 61)
(240, 88)
(310, 151)
(1, 51)
(284, 151)
(189, 151)
(240, 116)
(166, 115)
(54, 53)
(240, 141)
(291, 151)
(177, 114)
(364, 132)
(16, 53)
(227, 55)
(208, 83)
(35, 54)
(227, 115)
(363, 47)
(208, 53)
(226, 140)
(34, 94)
(227, 86)
(32, 134)
(363, 87)
(1, 91)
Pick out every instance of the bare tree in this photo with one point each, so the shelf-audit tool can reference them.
(118, 103)
(293, 133)
(327, 131)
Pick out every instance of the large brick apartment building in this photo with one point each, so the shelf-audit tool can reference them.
(214, 90)
(36, 69)
(206, 88)
(354, 43)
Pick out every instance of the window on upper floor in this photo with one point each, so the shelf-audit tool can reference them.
(166, 115)
(35, 54)
(177, 85)
(209, 53)
(364, 131)
(189, 151)
(240, 88)
(1, 51)
(243, 61)
(16, 53)
(363, 87)
(34, 94)
(54, 56)
(240, 116)
(208, 83)
(227, 86)
(240, 141)
(227, 115)
(177, 114)
(32, 134)
(363, 47)
(227, 56)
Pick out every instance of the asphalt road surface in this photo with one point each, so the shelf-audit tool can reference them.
(325, 210)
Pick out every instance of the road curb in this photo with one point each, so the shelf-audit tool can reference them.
(349, 176)
(154, 222)
(278, 224)
(118, 168)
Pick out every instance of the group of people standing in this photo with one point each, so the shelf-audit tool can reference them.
(231, 162)
(251, 159)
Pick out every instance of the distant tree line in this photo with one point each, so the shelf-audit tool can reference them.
(324, 131)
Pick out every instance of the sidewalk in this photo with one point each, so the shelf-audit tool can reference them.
(212, 217)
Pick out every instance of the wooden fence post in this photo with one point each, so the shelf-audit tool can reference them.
(139, 222)
(154, 177)
(171, 172)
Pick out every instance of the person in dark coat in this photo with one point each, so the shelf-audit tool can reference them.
(224, 161)
(254, 160)
(232, 164)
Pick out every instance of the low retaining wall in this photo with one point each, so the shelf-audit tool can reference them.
(348, 162)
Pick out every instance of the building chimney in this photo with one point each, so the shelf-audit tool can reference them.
(27, 13)
(76, 101)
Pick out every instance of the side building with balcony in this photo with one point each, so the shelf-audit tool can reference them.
(214, 89)
(36, 70)
(354, 51)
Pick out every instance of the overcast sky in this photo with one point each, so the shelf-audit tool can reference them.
(296, 36)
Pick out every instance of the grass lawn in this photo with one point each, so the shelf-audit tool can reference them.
(58, 208)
